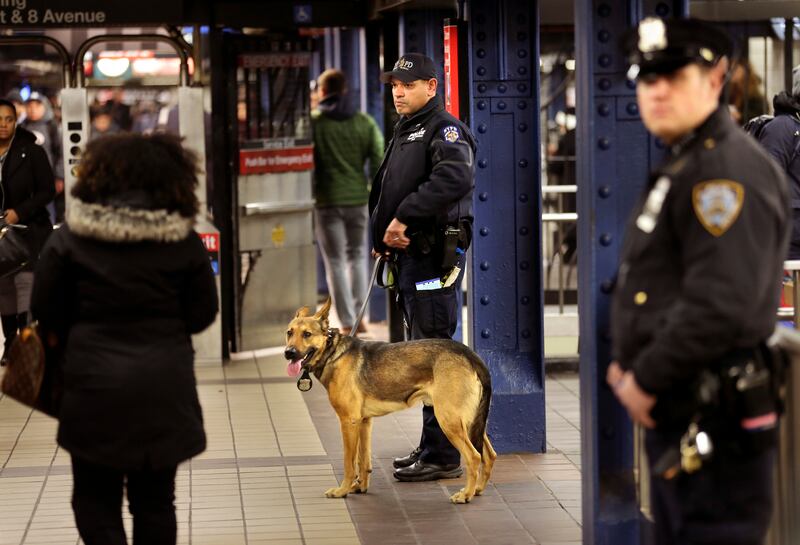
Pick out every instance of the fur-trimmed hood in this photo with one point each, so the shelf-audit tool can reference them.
(111, 223)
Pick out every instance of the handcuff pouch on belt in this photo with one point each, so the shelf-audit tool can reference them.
(738, 407)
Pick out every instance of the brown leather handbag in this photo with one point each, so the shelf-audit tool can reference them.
(29, 377)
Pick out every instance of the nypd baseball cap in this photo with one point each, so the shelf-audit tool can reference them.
(411, 67)
(661, 46)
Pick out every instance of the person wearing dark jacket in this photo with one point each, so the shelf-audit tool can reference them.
(345, 140)
(696, 295)
(781, 138)
(421, 215)
(26, 186)
(123, 285)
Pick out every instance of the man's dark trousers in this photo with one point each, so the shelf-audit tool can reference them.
(727, 502)
(431, 314)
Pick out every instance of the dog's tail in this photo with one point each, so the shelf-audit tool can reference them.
(478, 427)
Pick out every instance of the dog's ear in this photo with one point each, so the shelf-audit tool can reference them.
(322, 313)
(302, 312)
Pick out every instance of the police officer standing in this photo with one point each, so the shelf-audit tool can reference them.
(421, 214)
(697, 292)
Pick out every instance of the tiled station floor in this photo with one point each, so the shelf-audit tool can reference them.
(273, 451)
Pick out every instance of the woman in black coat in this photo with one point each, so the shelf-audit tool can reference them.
(26, 186)
(123, 284)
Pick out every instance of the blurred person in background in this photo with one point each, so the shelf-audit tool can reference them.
(123, 285)
(15, 98)
(41, 122)
(26, 181)
(746, 99)
(345, 141)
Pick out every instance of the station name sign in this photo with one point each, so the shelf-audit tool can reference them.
(76, 13)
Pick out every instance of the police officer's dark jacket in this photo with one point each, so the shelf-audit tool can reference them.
(427, 174)
(701, 264)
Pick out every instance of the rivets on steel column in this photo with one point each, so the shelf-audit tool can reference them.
(522, 127)
(606, 286)
(632, 108)
(603, 109)
(481, 71)
(482, 128)
(484, 196)
(522, 104)
(501, 105)
(484, 265)
(521, 87)
(480, 36)
(484, 231)
(481, 104)
(482, 163)
(525, 333)
(630, 84)
(603, 143)
(605, 84)
(481, 53)
(522, 70)
(604, 10)
(523, 197)
(524, 265)
(662, 9)
(605, 239)
(604, 191)
(523, 231)
(604, 36)
(523, 163)
(480, 19)
(502, 88)
(604, 60)
(524, 300)
(481, 87)
(485, 300)
(486, 333)
(522, 36)
(521, 53)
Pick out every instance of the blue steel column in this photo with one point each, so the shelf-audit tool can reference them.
(423, 32)
(505, 267)
(614, 155)
(375, 101)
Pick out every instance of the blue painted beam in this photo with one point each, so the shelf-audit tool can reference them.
(615, 154)
(506, 321)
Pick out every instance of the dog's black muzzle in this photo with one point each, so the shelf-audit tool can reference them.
(291, 353)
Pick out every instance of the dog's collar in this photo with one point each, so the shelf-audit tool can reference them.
(330, 334)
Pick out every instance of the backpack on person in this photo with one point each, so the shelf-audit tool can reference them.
(755, 128)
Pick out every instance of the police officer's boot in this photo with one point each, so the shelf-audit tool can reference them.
(10, 325)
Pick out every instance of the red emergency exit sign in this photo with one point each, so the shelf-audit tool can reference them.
(261, 161)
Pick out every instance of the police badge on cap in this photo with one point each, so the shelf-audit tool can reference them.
(411, 67)
(661, 46)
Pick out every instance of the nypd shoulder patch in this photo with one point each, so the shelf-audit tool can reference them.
(717, 204)
(450, 133)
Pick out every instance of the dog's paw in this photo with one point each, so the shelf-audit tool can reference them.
(358, 488)
(336, 493)
(460, 497)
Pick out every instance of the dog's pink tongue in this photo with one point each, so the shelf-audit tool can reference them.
(293, 369)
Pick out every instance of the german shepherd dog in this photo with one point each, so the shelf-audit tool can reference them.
(367, 379)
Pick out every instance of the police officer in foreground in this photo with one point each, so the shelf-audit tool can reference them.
(421, 214)
(696, 295)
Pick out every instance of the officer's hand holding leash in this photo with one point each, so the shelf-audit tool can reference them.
(395, 236)
(638, 402)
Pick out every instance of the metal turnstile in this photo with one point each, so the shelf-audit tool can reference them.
(75, 125)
